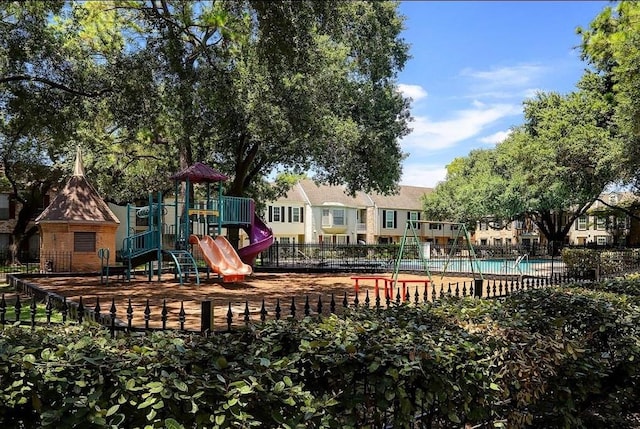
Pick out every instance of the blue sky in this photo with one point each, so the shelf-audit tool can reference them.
(472, 66)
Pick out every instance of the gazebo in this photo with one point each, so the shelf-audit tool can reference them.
(75, 225)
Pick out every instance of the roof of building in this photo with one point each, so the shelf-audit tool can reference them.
(408, 198)
(294, 195)
(199, 173)
(319, 195)
(78, 201)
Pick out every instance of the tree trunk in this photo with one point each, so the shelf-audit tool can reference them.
(20, 233)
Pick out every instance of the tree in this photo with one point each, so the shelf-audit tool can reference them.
(549, 170)
(255, 87)
(611, 45)
(251, 87)
(44, 82)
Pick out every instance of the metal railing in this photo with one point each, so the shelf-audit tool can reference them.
(30, 262)
(140, 243)
(120, 318)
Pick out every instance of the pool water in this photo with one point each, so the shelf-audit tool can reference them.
(534, 267)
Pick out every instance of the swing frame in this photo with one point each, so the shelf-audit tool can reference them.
(410, 226)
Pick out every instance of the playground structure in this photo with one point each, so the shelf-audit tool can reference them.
(194, 223)
(423, 253)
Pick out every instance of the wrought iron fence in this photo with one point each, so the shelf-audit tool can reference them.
(420, 414)
(121, 319)
(377, 258)
(34, 262)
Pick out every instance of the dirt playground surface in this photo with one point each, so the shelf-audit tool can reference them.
(269, 287)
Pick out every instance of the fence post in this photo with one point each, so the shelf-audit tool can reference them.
(206, 317)
(477, 288)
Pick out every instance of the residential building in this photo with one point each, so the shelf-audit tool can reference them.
(392, 212)
(312, 213)
(289, 216)
(600, 226)
(516, 233)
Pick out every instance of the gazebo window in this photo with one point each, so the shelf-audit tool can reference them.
(84, 241)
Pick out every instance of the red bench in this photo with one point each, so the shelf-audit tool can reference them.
(388, 284)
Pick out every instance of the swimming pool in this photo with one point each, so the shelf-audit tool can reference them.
(533, 267)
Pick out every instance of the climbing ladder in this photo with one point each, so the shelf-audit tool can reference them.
(184, 263)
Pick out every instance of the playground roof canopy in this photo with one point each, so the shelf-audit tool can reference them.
(199, 173)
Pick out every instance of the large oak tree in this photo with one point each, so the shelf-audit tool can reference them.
(250, 87)
(550, 170)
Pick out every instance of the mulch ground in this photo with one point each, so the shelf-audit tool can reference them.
(270, 287)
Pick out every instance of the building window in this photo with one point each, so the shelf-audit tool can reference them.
(295, 214)
(276, 214)
(414, 217)
(338, 217)
(601, 240)
(4, 206)
(582, 223)
(389, 219)
(341, 239)
(613, 199)
(601, 223)
(84, 241)
(435, 226)
(326, 217)
(335, 217)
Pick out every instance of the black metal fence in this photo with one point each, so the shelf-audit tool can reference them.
(121, 319)
(30, 263)
(527, 261)
(377, 258)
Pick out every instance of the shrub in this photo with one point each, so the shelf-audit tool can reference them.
(541, 358)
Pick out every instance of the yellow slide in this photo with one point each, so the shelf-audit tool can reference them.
(222, 258)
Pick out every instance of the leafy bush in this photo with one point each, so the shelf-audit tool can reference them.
(586, 262)
(541, 358)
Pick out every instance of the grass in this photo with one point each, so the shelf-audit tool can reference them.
(25, 310)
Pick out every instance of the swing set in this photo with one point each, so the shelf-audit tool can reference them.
(410, 233)
(410, 237)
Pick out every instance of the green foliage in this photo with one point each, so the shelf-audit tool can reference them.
(558, 161)
(582, 261)
(610, 45)
(543, 358)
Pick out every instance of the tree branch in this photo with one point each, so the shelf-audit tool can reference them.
(56, 85)
(622, 209)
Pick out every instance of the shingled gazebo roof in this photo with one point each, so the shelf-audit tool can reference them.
(78, 201)
(199, 173)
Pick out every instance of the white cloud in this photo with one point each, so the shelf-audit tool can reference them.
(514, 82)
(495, 138)
(464, 124)
(415, 92)
(418, 174)
(522, 75)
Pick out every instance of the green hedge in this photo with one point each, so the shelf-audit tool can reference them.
(581, 262)
(543, 358)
